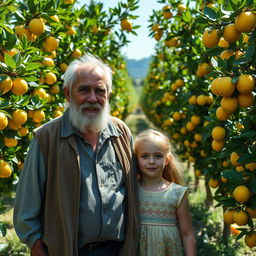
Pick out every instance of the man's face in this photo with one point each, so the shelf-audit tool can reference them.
(89, 89)
(88, 99)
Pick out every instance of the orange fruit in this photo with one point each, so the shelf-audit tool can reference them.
(19, 116)
(126, 24)
(214, 86)
(166, 10)
(23, 131)
(48, 62)
(10, 142)
(176, 116)
(3, 121)
(223, 43)
(240, 217)
(198, 173)
(229, 104)
(38, 116)
(76, 53)
(245, 84)
(221, 114)
(172, 42)
(245, 22)
(19, 86)
(198, 137)
(192, 100)
(230, 33)
(201, 100)
(6, 85)
(250, 239)
(63, 67)
(71, 31)
(213, 183)
(155, 27)
(50, 44)
(217, 145)
(50, 78)
(40, 92)
(218, 133)
(225, 87)
(36, 26)
(190, 126)
(54, 89)
(226, 54)
(251, 166)
(55, 18)
(158, 35)
(196, 120)
(228, 216)
(241, 194)
(234, 229)
(251, 212)
(211, 38)
(5, 169)
(233, 159)
(245, 100)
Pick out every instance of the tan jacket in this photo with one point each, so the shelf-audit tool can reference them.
(61, 206)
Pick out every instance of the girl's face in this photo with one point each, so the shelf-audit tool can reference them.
(151, 159)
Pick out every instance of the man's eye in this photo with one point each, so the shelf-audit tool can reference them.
(100, 91)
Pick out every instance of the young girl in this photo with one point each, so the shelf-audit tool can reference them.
(164, 210)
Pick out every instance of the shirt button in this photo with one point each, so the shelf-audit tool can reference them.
(101, 185)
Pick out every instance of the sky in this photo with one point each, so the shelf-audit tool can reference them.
(140, 46)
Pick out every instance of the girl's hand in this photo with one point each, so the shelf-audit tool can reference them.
(39, 249)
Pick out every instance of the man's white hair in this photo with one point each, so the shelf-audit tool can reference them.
(70, 75)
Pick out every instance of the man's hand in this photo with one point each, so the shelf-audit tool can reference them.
(39, 249)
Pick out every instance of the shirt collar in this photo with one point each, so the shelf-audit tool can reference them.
(67, 129)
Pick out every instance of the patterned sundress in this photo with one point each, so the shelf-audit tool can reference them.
(159, 231)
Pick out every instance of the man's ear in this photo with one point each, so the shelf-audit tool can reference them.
(67, 94)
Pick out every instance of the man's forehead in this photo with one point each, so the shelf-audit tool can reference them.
(88, 69)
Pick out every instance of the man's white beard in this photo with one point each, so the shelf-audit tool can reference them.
(84, 122)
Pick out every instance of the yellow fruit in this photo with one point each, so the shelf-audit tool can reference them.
(230, 33)
(229, 104)
(234, 229)
(71, 31)
(201, 100)
(182, 7)
(155, 27)
(226, 54)
(218, 133)
(225, 163)
(225, 87)
(238, 54)
(196, 120)
(5, 169)
(223, 179)
(54, 89)
(245, 84)
(217, 145)
(176, 116)
(240, 168)
(50, 44)
(38, 116)
(76, 53)
(251, 166)
(190, 126)
(36, 26)
(12, 125)
(10, 142)
(233, 159)
(55, 18)
(214, 86)
(202, 153)
(95, 29)
(19, 116)
(203, 69)
(48, 62)
(19, 86)
(11, 52)
(3, 121)
(57, 113)
(40, 92)
(211, 38)
(183, 130)
(158, 35)
(221, 114)
(192, 100)
(126, 25)
(198, 137)
(241, 194)
(213, 183)
(251, 212)
(240, 217)
(6, 85)
(228, 216)
(167, 12)
(198, 173)
(68, 1)
(50, 78)
(245, 22)
(63, 67)
(250, 239)
(21, 30)
(223, 43)
(23, 131)
(245, 100)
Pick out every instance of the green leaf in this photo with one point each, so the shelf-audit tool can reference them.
(9, 61)
(33, 66)
(3, 230)
(210, 13)
(32, 6)
(250, 52)
(232, 175)
(252, 184)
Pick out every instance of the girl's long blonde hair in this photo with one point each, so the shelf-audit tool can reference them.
(173, 170)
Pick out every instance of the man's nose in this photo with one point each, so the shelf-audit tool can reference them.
(92, 97)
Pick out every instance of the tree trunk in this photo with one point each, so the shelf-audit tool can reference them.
(209, 199)
(226, 230)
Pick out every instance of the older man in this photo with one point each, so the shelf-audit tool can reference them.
(77, 191)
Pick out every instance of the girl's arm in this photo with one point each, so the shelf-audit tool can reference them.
(185, 226)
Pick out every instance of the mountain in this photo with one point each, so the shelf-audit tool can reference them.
(138, 68)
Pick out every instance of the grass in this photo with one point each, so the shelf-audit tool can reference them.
(207, 221)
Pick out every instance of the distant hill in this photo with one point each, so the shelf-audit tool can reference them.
(138, 68)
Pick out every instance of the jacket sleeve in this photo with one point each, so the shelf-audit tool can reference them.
(29, 196)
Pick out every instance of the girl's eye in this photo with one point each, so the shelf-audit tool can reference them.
(159, 156)
(143, 156)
